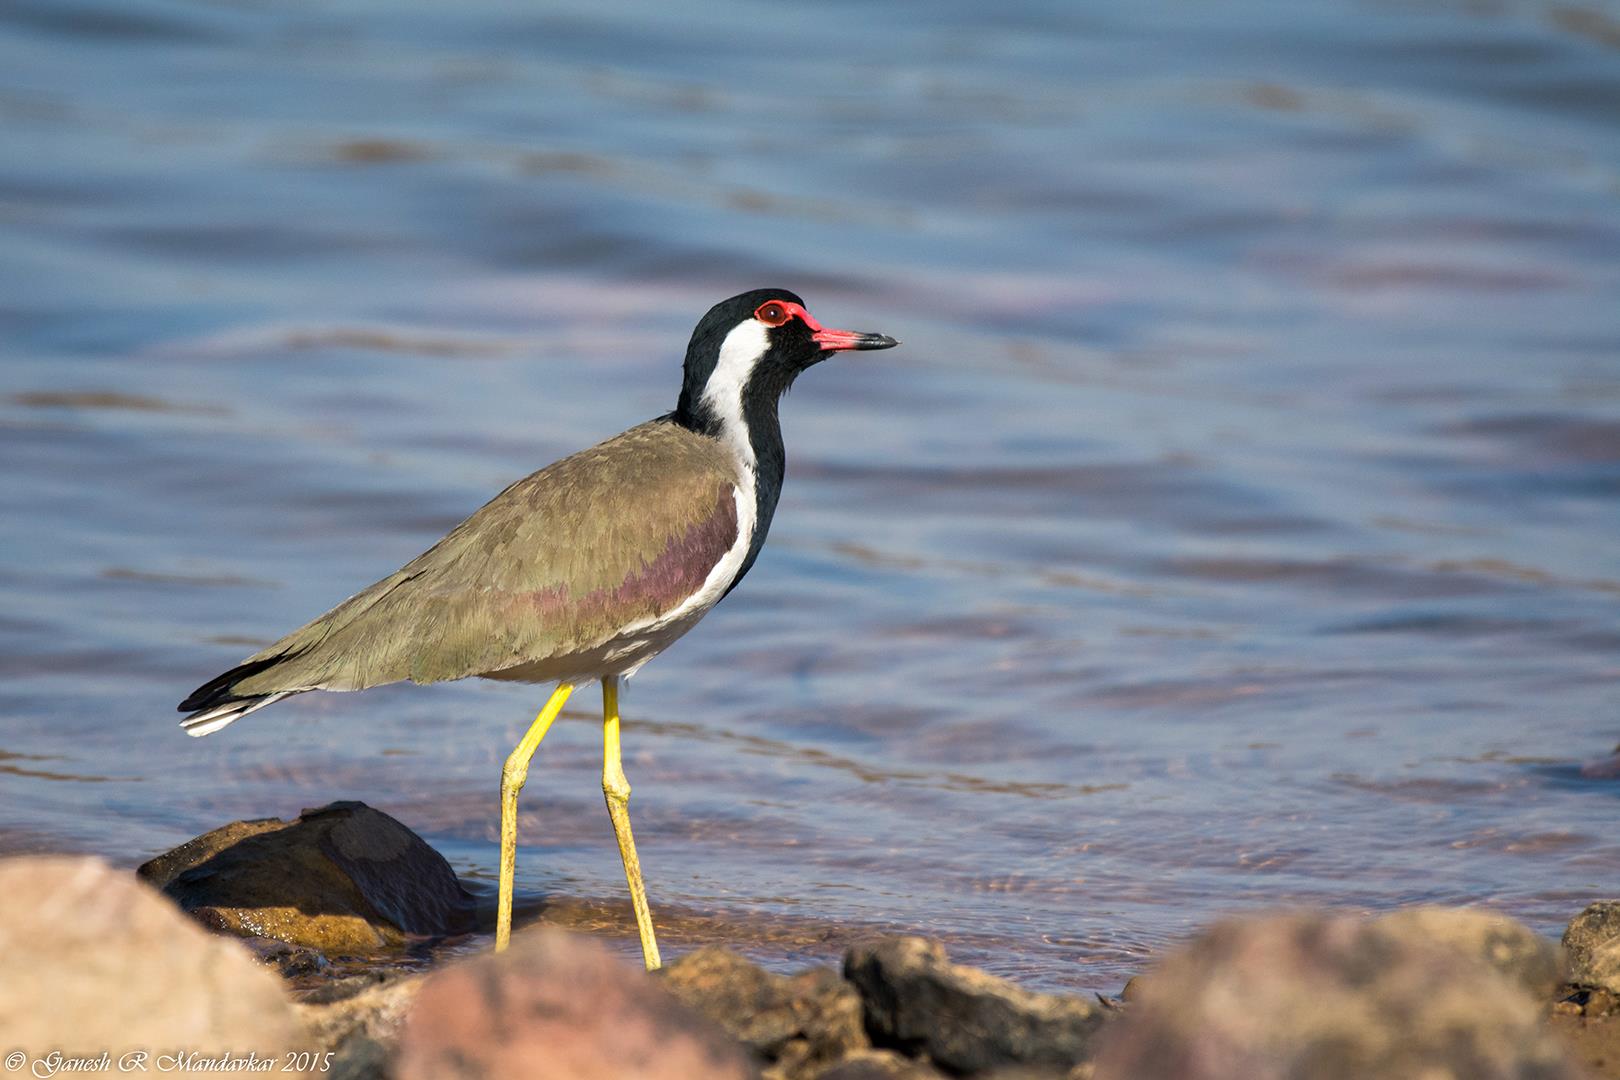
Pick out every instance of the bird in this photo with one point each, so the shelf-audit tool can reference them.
(583, 571)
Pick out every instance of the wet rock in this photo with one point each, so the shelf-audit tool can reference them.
(798, 1024)
(294, 962)
(1331, 999)
(91, 960)
(1592, 944)
(557, 1005)
(1507, 945)
(917, 1002)
(345, 880)
(361, 1029)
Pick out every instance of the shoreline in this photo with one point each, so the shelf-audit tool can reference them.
(361, 946)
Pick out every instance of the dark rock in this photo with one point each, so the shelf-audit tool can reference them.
(344, 880)
(1507, 945)
(798, 1024)
(91, 960)
(1592, 944)
(292, 961)
(557, 1005)
(916, 1002)
(1330, 999)
(1598, 1003)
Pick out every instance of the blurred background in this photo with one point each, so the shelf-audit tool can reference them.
(1237, 527)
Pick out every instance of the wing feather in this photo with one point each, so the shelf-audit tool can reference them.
(553, 565)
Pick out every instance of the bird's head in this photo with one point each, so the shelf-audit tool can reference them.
(747, 351)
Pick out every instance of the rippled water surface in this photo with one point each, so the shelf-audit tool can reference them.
(1236, 528)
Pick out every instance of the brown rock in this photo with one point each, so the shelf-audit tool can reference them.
(1505, 944)
(344, 879)
(1592, 944)
(556, 1005)
(798, 1024)
(1329, 998)
(92, 961)
(916, 1002)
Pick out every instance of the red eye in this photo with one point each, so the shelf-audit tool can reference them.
(772, 313)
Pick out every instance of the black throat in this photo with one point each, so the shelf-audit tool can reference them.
(789, 349)
(761, 396)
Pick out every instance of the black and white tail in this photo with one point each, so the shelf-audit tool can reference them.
(215, 704)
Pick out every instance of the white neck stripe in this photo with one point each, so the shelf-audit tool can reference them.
(740, 353)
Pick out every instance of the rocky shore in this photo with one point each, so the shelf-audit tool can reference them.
(226, 954)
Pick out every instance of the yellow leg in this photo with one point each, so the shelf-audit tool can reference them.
(513, 774)
(617, 790)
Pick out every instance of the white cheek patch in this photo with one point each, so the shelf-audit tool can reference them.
(740, 353)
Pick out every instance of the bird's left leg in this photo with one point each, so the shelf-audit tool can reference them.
(513, 775)
(617, 790)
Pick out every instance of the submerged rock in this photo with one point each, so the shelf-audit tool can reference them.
(799, 1025)
(1592, 944)
(343, 879)
(92, 961)
(1331, 998)
(557, 1005)
(967, 1021)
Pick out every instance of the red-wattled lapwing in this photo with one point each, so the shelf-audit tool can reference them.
(584, 570)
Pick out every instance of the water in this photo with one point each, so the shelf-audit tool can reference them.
(1235, 529)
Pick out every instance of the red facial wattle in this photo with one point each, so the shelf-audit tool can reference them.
(829, 340)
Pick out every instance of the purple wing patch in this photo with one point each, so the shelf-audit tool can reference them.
(682, 567)
(655, 588)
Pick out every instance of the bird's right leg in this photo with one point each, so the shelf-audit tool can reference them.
(617, 790)
(513, 774)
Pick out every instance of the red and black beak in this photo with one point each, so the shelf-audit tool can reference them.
(828, 339)
(839, 340)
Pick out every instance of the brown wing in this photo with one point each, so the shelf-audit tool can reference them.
(553, 565)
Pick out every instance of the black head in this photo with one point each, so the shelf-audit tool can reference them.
(747, 351)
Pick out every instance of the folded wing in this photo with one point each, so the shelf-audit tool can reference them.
(557, 564)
